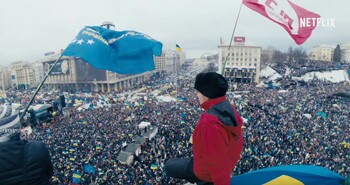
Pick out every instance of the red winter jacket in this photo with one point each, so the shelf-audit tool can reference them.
(217, 141)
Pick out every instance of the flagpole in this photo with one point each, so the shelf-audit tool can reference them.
(229, 47)
(176, 78)
(38, 88)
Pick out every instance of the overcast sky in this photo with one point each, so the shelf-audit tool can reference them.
(28, 29)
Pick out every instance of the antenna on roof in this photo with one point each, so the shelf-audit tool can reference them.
(107, 25)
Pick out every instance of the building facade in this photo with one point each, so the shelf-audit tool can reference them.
(23, 76)
(322, 53)
(5, 78)
(73, 74)
(169, 61)
(345, 52)
(242, 63)
(159, 61)
(38, 72)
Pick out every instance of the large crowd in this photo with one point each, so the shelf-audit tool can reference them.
(302, 124)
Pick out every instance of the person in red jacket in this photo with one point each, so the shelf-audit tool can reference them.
(217, 137)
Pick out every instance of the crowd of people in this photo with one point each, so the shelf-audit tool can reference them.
(96, 136)
(300, 125)
(303, 124)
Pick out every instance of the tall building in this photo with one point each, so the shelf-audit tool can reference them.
(242, 64)
(169, 59)
(159, 62)
(5, 78)
(345, 52)
(322, 53)
(181, 57)
(38, 72)
(23, 76)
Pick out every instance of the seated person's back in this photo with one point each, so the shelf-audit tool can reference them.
(22, 162)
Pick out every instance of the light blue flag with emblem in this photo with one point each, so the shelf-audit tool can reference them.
(123, 52)
(289, 175)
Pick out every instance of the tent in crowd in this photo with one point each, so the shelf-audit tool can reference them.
(125, 158)
(42, 111)
(134, 149)
(41, 108)
(144, 124)
(151, 133)
(140, 140)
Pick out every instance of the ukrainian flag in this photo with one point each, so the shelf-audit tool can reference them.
(289, 175)
(76, 177)
(178, 48)
(154, 167)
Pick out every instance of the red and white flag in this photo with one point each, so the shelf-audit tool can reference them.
(287, 14)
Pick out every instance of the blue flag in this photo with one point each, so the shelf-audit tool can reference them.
(322, 114)
(289, 175)
(89, 169)
(123, 52)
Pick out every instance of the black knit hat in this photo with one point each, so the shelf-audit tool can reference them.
(211, 84)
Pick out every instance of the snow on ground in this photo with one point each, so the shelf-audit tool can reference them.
(335, 76)
(269, 73)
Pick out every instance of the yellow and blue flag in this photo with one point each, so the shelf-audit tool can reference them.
(289, 175)
(178, 48)
(123, 52)
(154, 166)
(76, 177)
